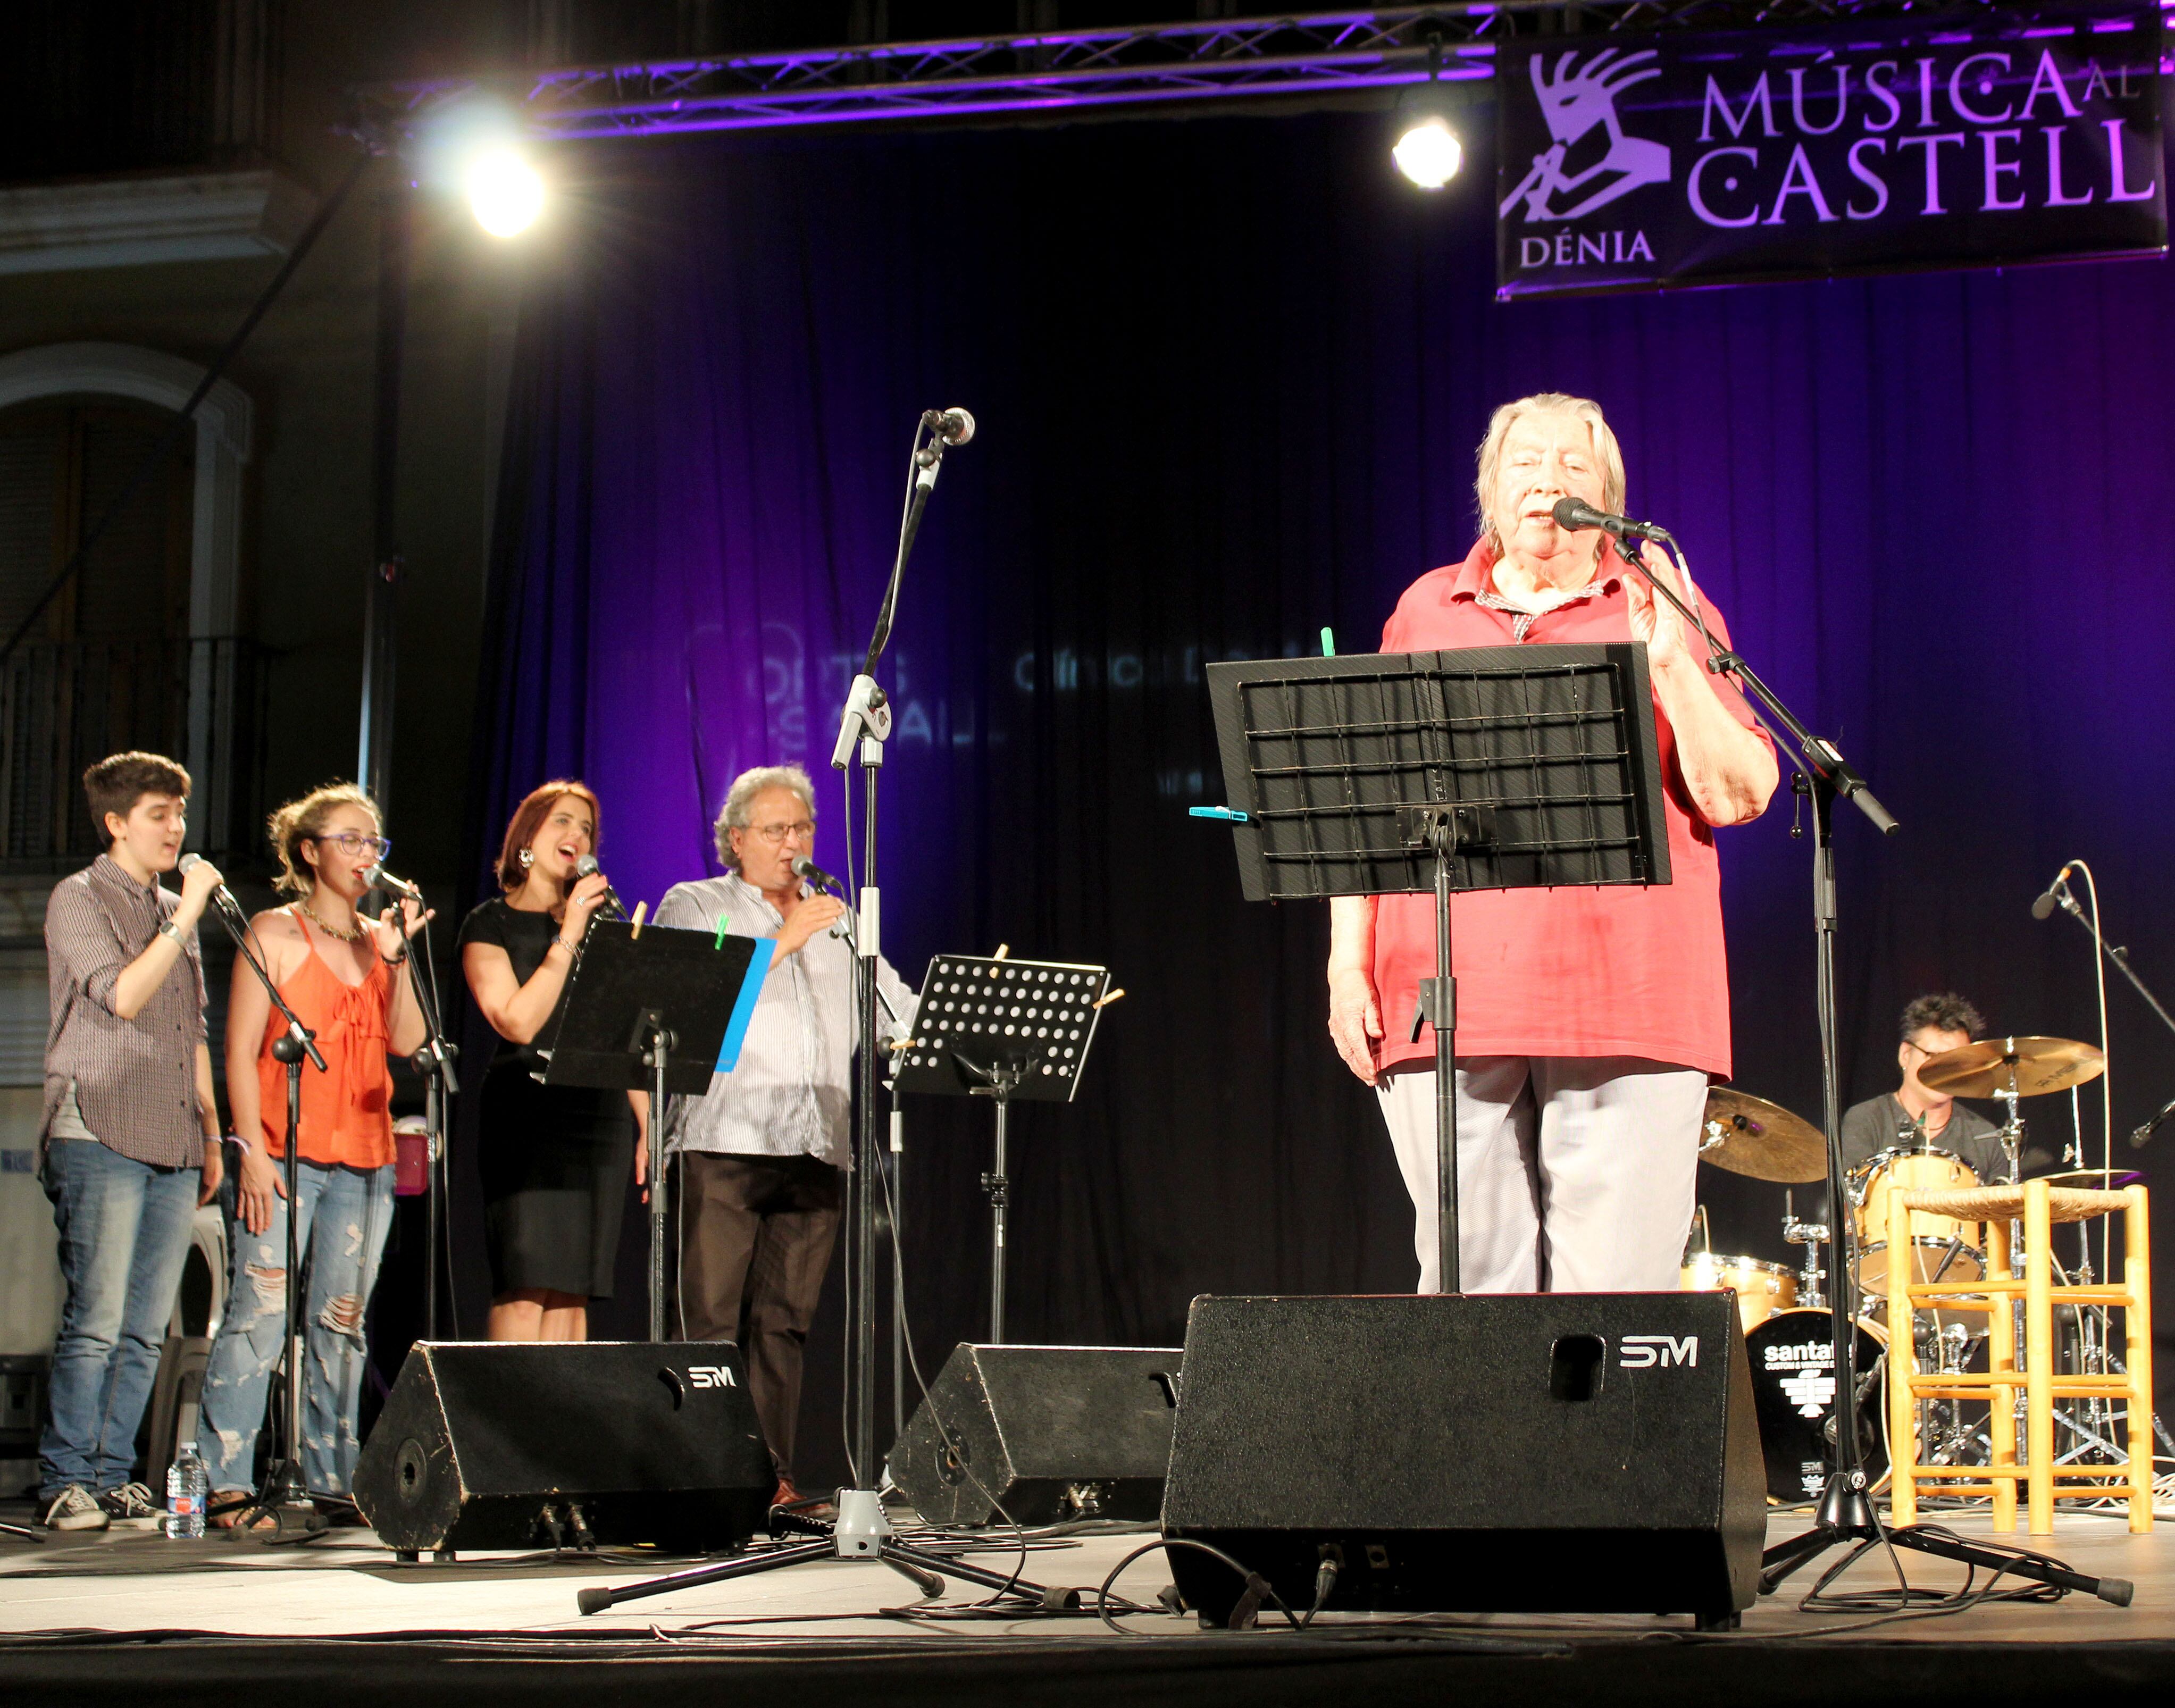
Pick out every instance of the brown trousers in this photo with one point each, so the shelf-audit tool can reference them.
(758, 1233)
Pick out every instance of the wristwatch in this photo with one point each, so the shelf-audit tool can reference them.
(167, 928)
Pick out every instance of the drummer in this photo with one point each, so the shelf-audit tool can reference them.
(1912, 1116)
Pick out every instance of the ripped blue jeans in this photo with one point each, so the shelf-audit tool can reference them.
(345, 1214)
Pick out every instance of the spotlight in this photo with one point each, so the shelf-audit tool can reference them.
(1427, 150)
(506, 193)
(474, 149)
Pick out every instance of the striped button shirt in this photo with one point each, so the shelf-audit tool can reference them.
(135, 1080)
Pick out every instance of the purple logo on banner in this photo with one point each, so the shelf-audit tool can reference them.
(1857, 148)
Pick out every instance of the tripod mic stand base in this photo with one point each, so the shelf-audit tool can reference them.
(862, 1533)
(1846, 1518)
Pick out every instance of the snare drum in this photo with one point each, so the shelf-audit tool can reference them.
(1761, 1288)
(1944, 1252)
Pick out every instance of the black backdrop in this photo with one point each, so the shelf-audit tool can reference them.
(1229, 375)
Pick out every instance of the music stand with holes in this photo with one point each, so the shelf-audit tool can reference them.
(1481, 768)
(1002, 1029)
(656, 1009)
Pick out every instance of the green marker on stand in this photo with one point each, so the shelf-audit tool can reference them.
(1328, 644)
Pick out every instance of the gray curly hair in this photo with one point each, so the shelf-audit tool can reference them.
(740, 800)
(1490, 455)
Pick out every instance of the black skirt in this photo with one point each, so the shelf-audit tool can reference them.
(555, 1165)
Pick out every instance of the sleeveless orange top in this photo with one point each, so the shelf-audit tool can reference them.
(347, 1112)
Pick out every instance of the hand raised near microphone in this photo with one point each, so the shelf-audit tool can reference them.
(810, 914)
(1654, 619)
(389, 937)
(582, 901)
(199, 884)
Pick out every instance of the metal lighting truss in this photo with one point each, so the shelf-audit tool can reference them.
(1060, 71)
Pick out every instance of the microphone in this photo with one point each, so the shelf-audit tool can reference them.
(2139, 1135)
(804, 867)
(586, 867)
(378, 878)
(2056, 894)
(189, 862)
(1574, 514)
(954, 425)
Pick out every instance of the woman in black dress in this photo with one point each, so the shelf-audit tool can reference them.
(555, 1158)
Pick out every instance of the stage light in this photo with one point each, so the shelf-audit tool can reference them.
(504, 191)
(1428, 151)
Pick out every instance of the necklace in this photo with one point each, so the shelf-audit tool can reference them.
(354, 934)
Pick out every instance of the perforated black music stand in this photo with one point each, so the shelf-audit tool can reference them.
(1002, 1029)
(1486, 768)
(655, 1009)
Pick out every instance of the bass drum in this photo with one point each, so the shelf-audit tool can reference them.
(1793, 1393)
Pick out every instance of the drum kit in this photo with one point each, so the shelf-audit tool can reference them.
(1785, 1312)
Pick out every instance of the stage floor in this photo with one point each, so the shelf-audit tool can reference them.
(108, 1614)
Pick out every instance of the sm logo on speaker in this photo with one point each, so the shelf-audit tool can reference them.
(1647, 1351)
(711, 1376)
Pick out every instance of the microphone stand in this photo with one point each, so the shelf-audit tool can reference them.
(862, 1532)
(1844, 1515)
(2119, 958)
(434, 1062)
(285, 1486)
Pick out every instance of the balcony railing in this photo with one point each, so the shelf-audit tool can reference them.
(65, 705)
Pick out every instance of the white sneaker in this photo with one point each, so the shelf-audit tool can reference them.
(75, 1508)
(130, 1507)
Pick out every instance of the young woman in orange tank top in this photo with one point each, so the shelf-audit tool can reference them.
(347, 977)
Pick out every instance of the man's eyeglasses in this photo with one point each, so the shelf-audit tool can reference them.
(801, 829)
(354, 844)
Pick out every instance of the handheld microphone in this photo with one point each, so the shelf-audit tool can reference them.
(586, 867)
(954, 425)
(2056, 895)
(380, 879)
(804, 867)
(220, 894)
(1574, 514)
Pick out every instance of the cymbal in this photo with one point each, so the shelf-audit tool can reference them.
(1749, 1135)
(2092, 1179)
(2038, 1064)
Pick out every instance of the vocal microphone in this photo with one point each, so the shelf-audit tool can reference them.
(804, 867)
(954, 425)
(377, 878)
(586, 867)
(1574, 514)
(2139, 1135)
(2056, 893)
(220, 893)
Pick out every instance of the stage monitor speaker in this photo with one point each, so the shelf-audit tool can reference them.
(537, 1444)
(1049, 1434)
(1526, 1452)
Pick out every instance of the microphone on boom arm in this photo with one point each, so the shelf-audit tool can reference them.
(1574, 514)
(2056, 895)
(586, 867)
(804, 868)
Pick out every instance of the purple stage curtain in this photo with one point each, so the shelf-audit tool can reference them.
(1229, 375)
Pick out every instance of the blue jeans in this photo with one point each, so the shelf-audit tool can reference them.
(352, 1210)
(124, 1230)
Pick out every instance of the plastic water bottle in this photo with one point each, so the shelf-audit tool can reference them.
(188, 1490)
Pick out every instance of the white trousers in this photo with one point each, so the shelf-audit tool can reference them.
(1574, 1174)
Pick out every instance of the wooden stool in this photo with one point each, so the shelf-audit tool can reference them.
(2039, 1207)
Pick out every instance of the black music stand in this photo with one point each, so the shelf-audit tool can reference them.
(1483, 768)
(658, 1009)
(1002, 1029)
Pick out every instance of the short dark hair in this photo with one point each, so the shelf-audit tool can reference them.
(117, 781)
(1944, 1011)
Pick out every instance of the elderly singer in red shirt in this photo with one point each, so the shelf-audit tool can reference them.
(1590, 1017)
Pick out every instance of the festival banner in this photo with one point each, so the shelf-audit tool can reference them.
(1632, 163)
